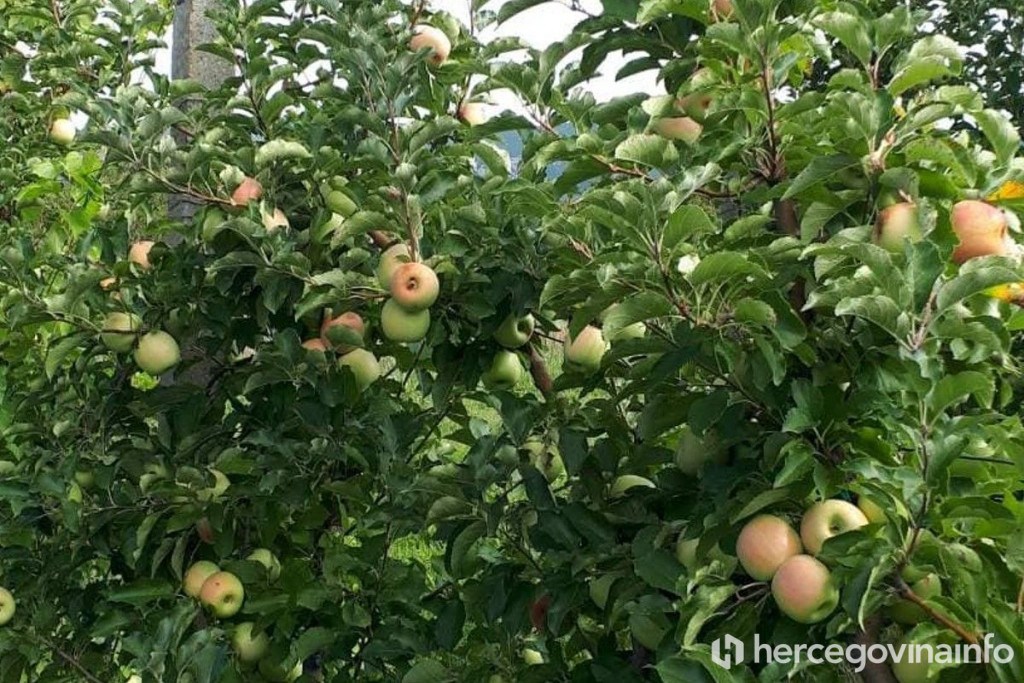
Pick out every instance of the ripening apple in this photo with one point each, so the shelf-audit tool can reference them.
(119, 331)
(678, 128)
(393, 256)
(826, 519)
(586, 350)
(907, 671)
(426, 36)
(515, 331)
(204, 529)
(803, 589)
(275, 673)
(401, 325)
(505, 371)
(249, 190)
(981, 229)
(764, 544)
(686, 552)
(268, 560)
(108, 283)
(62, 131)
(363, 365)
(196, 576)
(272, 220)
(157, 353)
(722, 9)
(317, 345)
(7, 606)
(223, 594)
(872, 510)
(696, 104)
(414, 286)
(249, 647)
(473, 113)
(139, 253)
(625, 482)
(897, 224)
(354, 328)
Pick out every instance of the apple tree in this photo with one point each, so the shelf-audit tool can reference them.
(334, 372)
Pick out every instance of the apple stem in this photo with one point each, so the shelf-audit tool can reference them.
(939, 618)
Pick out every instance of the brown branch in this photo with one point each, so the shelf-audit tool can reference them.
(874, 672)
(939, 618)
(539, 372)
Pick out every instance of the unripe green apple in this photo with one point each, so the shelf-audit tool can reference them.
(119, 331)
(906, 612)
(981, 229)
(434, 39)
(625, 482)
(363, 365)
(138, 253)
(401, 325)
(764, 543)
(62, 131)
(268, 560)
(393, 256)
(679, 128)
(157, 353)
(803, 589)
(7, 468)
(545, 458)
(694, 452)
(872, 511)
(348, 328)
(505, 371)
(275, 673)
(514, 332)
(7, 606)
(826, 519)
(249, 647)
(897, 224)
(196, 576)
(907, 671)
(223, 594)
(531, 657)
(586, 350)
(414, 286)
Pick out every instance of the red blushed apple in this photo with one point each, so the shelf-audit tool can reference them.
(897, 224)
(764, 544)
(473, 113)
(196, 576)
(425, 36)
(414, 286)
(351, 320)
(249, 190)
(539, 612)
(981, 229)
(314, 345)
(803, 589)
(222, 594)
(722, 9)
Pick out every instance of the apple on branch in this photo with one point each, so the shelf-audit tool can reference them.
(157, 352)
(223, 594)
(414, 286)
(426, 37)
(249, 645)
(764, 543)
(585, 351)
(390, 260)
(364, 367)
(119, 331)
(515, 331)
(504, 372)
(7, 606)
(139, 254)
(826, 519)
(196, 576)
(897, 224)
(803, 589)
(62, 131)
(981, 230)
(349, 325)
(402, 325)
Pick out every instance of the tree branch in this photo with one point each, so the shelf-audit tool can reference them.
(874, 672)
(939, 618)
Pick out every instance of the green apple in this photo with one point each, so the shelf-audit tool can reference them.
(85, 478)
(514, 332)
(826, 519)
(414, 286)
(220, 485)
(268, 560)
(363, 365)
(693, 452)
(586, 350)
(249, 647)
(7, 606)
(803, 589)
(531, 657)
(926, 587)
(275, 673)
(152, 473)
(196, 576)
(62, 131)
(157, 353)
(7, 468)
(872, 510)
(897, 224)
(119, 331)
(223, 594)
(907, 671)
(625, 482)
(393, 256)
(401, 325)
(505, 371)
(545, 458)
(764, 544)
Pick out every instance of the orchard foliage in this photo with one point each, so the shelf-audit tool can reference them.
(429, 528)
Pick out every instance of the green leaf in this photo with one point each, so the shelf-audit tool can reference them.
(686, 222)
(953, 389)
(1001, 133)
(875, 308)
(850, 30)
(975, 276)
(820, 169)
(427, 671)
(648, 150)
(726, 266)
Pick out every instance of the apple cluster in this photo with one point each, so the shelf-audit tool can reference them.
(769, 549)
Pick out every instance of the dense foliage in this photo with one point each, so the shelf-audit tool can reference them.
(430, 527)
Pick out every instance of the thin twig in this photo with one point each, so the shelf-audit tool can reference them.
(907, 593)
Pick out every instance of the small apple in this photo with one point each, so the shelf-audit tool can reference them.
(249, 647)
(414, 286)
(222, 594)
(679, 128)
(826, 519)
(62, 131)
(401, 325)
(119, 331)
(981, 229)
(722, 9)
(364, 366)
(803, 589)
(897, 224)
(393, 256)
(7, 606)
(157, 353)
(205, 530)
(545, 458)
(268, 560)
(317, 345)
(872, 510)
(354, 329)
(505, 371)
(426, 36)
(925, 586)
(539, 611)
(531, 657)
(249, 190)
(764, 543)
(272, 220)
(196, 576)
(473, 113)
(586, 350)
(275, 673)
(139, 253)
(108, 283)
(625, 482)
(693, 452)
(85, 478)
(514, 332)
(907, 671)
